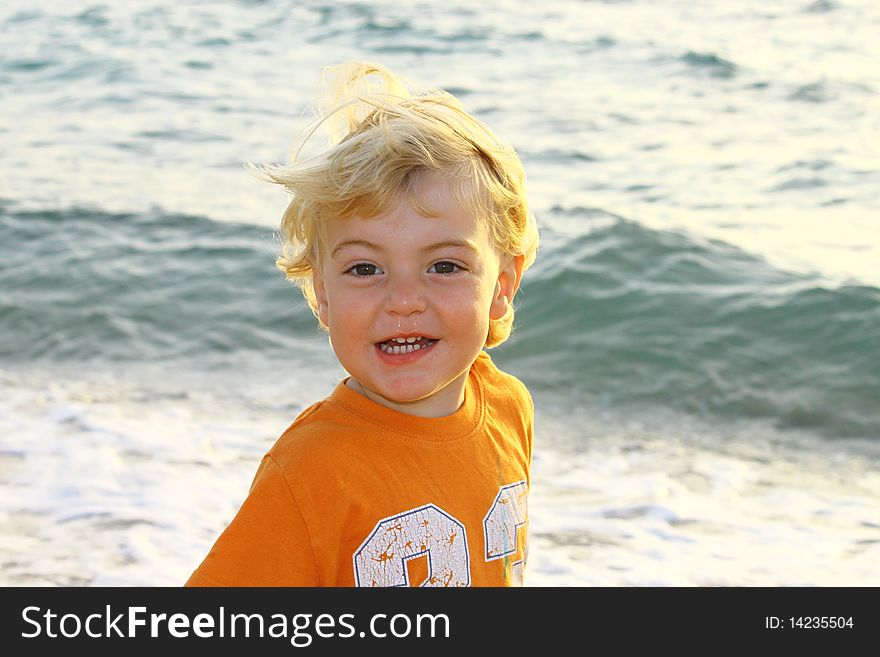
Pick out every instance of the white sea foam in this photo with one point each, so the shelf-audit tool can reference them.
(117, 483)
(669, 510)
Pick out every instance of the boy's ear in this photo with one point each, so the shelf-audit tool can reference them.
(509, 278)
(321, 297)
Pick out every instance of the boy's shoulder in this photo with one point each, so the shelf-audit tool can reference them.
(507, 397)
(300, 439)
(319, 434)
(499, 384)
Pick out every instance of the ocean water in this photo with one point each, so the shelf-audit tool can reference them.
(701, 331)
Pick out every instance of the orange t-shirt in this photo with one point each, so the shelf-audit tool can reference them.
(357, 494)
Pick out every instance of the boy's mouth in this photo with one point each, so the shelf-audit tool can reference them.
(405, 345)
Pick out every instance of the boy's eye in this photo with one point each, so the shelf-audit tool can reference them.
(444, 267)
(364, 269)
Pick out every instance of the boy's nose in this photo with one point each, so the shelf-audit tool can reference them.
(405, 297)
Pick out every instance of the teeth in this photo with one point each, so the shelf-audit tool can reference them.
(402, 349)
(404, 345)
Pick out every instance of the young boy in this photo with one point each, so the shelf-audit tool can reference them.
(409, 238)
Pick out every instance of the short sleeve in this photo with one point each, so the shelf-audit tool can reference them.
(266, 544)
(530, 432)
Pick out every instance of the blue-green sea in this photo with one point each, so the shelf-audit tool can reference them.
(700, 332)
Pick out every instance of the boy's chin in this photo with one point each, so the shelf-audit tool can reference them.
(413, 399)
(407, 396)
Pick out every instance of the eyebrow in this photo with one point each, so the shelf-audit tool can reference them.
(459, 244)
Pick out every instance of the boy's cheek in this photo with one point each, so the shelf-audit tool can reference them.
(352, 309)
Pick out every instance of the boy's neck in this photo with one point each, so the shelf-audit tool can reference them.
(442, 403)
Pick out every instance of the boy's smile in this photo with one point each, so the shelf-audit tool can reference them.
(408, 298)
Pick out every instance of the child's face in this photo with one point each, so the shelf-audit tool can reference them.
(402, 275)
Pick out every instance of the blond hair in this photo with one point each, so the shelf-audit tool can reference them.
(382, 138)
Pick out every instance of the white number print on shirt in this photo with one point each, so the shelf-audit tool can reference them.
(508, 513)
(381, 560)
